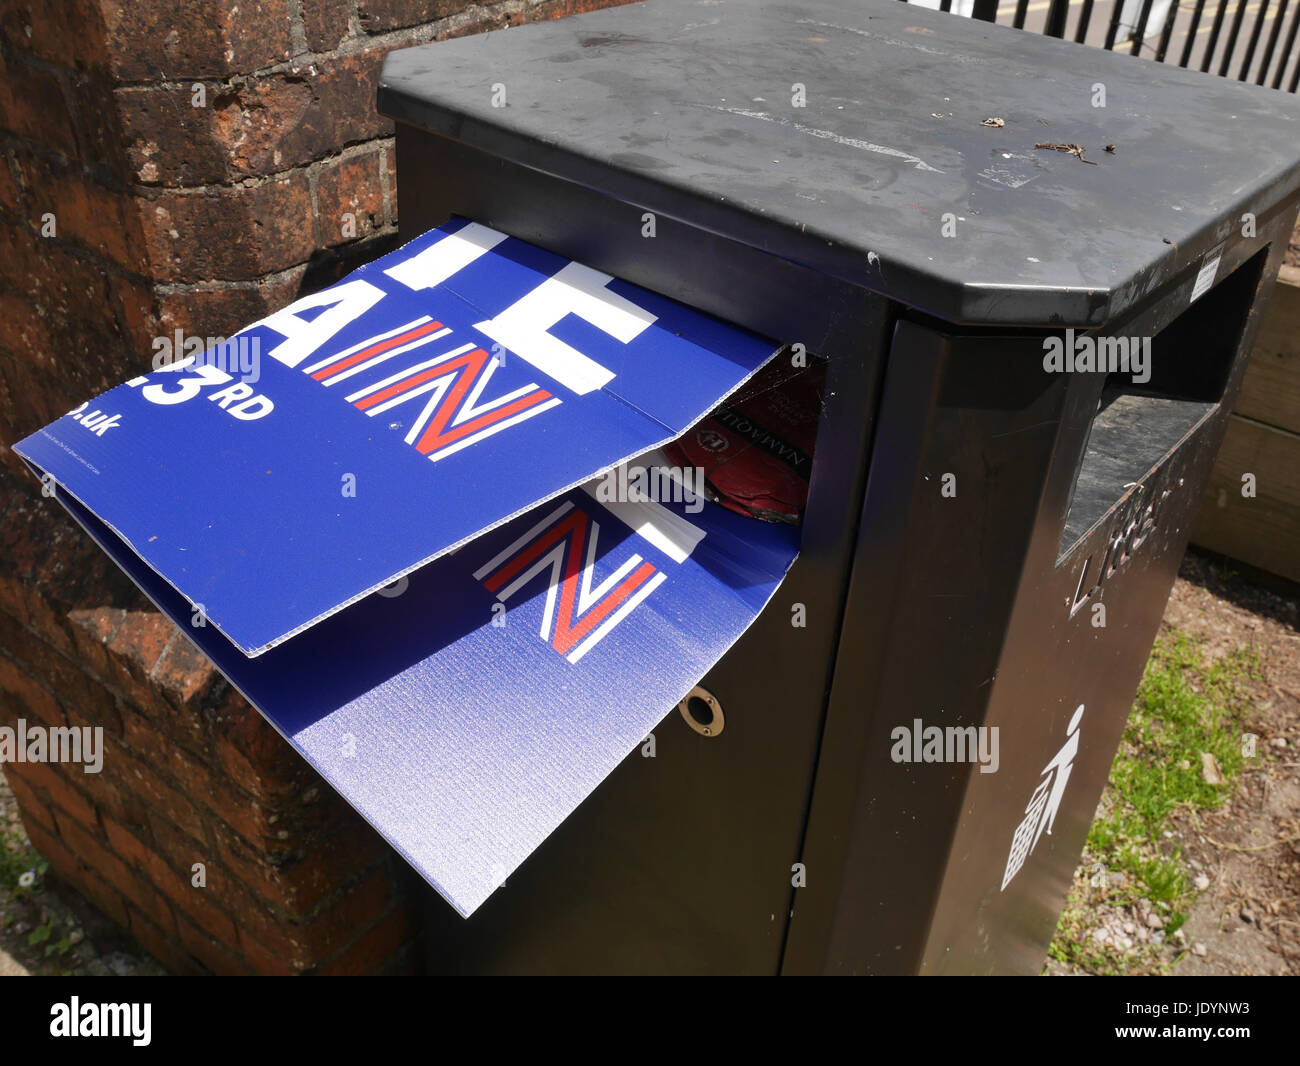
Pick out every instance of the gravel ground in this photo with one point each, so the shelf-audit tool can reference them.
(1247, 854)
(1240, 860)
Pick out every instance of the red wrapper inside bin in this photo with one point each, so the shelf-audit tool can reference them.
(756, 449)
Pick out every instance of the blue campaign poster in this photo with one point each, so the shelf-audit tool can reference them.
(438, 417)
(367, 429)
(445, 713)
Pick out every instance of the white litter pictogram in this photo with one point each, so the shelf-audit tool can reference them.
(1040, 812)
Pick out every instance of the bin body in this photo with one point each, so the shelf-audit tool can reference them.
(969, 509)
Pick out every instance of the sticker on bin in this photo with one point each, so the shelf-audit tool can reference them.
(369, 428)
(437, 427)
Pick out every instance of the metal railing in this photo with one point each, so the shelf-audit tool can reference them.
(1214, 36)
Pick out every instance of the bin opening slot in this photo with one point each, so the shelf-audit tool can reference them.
(1142, 416)
(753, 452)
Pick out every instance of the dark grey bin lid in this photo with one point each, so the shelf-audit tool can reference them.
(684, 107)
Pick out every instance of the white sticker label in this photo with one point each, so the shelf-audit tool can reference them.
(1209, 271)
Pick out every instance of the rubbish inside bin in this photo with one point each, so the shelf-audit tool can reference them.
(442, 417)
(756, 448)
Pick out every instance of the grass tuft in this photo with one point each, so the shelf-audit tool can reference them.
(1185, 706)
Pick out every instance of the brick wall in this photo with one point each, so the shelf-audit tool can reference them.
(162, 170)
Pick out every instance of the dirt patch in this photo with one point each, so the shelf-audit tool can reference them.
(1218, 890)
(1246, 854)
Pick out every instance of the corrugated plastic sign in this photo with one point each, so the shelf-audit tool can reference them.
(428, 429)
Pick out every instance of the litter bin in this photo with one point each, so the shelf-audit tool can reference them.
(1034, 271)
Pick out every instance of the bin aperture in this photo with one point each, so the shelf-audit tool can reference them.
(444, 710)
(1141, 420)
(755, 450)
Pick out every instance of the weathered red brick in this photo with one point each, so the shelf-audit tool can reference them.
(13, 595)
(139, 643)
(212, 953)
(105, 794)
(257, 821)
(125, 843)
(94, 628)
(69, 33)
(36, 107)
(299, 883)
(146, 39)
(98, 128)
(101, 220)
(325, 23)
(182, 851)
(206, 783)
(272, 123)
(38, 775)
(153, 736)
(24, 697)
(65, 796)
(152, 743)
(264, 962)
(14, 638)
(374, 947)
(53, 628)
(33, 808)
(349, 198)
(105, 898)
(390, 169)
(70, 684)
(218, 311)
(76, 300)
(137, 316)
(53, 850)
(149, 786)
(252, 753)
(184, 673)
(106, 716)
(8, 187)
(174, 879)
(78, 324)
(93, 852)
(379, 16)
(232, 234)
(253, 126)
(116, 796)
(304, 944)
(163, 943)
(339, 919)
(166, 139)
(277, 934)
